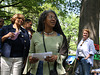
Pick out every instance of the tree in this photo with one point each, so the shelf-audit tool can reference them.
(34, 6)
(89, 18)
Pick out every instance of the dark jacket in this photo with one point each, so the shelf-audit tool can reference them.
(15, 48)
(0, 41)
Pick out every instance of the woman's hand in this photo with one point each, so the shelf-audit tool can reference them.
(51, 58)
(88, 56)
(33, 59)
(10, 34)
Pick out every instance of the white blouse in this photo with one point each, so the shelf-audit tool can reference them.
(85, 49)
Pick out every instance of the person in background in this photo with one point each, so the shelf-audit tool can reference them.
(28, 26)
(15, 46)
(1, 22)
(48, 38)
(85, 54)
(1, 25)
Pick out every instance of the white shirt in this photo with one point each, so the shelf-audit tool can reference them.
(86, 49)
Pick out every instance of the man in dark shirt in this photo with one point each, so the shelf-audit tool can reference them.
(1, 24)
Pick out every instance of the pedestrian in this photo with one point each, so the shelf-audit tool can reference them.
(85, 54)
(1, 25)
(28, 26)
(48, 38)
(15, 46)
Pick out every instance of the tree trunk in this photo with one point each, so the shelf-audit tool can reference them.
(89, 18)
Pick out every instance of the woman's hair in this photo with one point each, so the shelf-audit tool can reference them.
(87, 30)
(43, 17)
(17, 16)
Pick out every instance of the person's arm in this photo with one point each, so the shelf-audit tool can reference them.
(88, 56)
(32, 50)
(10, 34)
(33, 59)
(77, 55)
(92, 49)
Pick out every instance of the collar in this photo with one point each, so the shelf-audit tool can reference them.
(86, 40)
(11, 27)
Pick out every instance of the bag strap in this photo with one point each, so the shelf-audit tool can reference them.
(46, 51)
(44, 44)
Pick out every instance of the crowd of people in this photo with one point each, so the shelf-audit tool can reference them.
(18, 41)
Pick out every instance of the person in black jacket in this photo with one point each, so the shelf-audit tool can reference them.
(15, 46)
(1, 25)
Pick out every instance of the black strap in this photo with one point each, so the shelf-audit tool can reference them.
(44, 43)
(46, 51)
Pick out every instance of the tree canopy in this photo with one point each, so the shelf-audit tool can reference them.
(28, 7)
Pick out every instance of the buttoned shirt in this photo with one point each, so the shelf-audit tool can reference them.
(85, 49)
(15, 48)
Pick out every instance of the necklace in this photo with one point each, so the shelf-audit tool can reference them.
(49, 33)
(82, 43)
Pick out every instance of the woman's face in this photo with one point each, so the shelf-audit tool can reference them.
(19, 21)
(50, 20)
(85, 35)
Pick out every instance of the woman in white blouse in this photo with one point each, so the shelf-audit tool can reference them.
(84, 54)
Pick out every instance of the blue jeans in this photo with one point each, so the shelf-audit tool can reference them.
(83, 67)
(39, 69)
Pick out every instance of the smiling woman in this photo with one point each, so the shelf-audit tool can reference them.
(48, 38)
(15, 46)
(85, 54)
(19, 17)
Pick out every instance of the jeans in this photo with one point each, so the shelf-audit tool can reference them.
(39, 69)
(83, 67)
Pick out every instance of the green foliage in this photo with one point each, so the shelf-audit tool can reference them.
(70, 27)
(33, 8)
